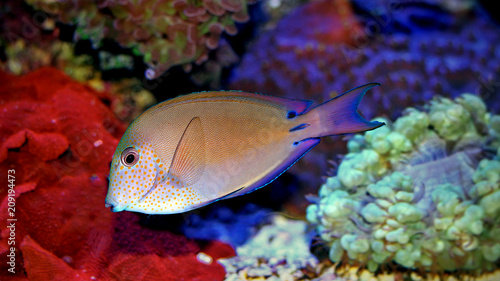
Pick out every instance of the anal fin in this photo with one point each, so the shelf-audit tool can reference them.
(232, 193)
(301, 148)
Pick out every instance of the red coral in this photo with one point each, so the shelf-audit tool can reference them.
(14, 141)
(144, 254)
(41, 264)
(46, 146)
(58, 136)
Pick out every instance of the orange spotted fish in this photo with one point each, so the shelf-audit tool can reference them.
(192, 150)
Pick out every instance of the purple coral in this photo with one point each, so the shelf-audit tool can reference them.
(413, 63)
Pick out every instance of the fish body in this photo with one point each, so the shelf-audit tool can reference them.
(192, 150)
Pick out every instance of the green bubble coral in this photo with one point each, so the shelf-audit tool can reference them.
(421, 193)
(165, 33)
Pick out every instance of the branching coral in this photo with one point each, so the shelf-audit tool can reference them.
(166, 33)
(422, 193)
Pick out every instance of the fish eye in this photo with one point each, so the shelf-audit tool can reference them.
(129, 157)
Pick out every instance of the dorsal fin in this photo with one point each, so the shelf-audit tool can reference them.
(188, 162)
(298, 107)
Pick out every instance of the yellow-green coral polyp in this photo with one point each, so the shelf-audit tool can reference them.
(421, 193)
(165, 33)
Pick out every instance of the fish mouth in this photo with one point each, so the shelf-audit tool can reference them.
(116, 209)
(114, 206)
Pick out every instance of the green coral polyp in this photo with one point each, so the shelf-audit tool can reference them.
(162, 31)
(411, 193)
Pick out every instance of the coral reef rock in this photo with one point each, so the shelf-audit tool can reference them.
(421, 193)
(279, 251)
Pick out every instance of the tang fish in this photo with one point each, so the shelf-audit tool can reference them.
(192, 150)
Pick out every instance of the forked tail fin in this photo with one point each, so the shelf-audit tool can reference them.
(339, 115)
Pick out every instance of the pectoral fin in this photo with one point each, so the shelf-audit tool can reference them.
(189, 161)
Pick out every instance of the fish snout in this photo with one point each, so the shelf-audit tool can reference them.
(115, 206)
